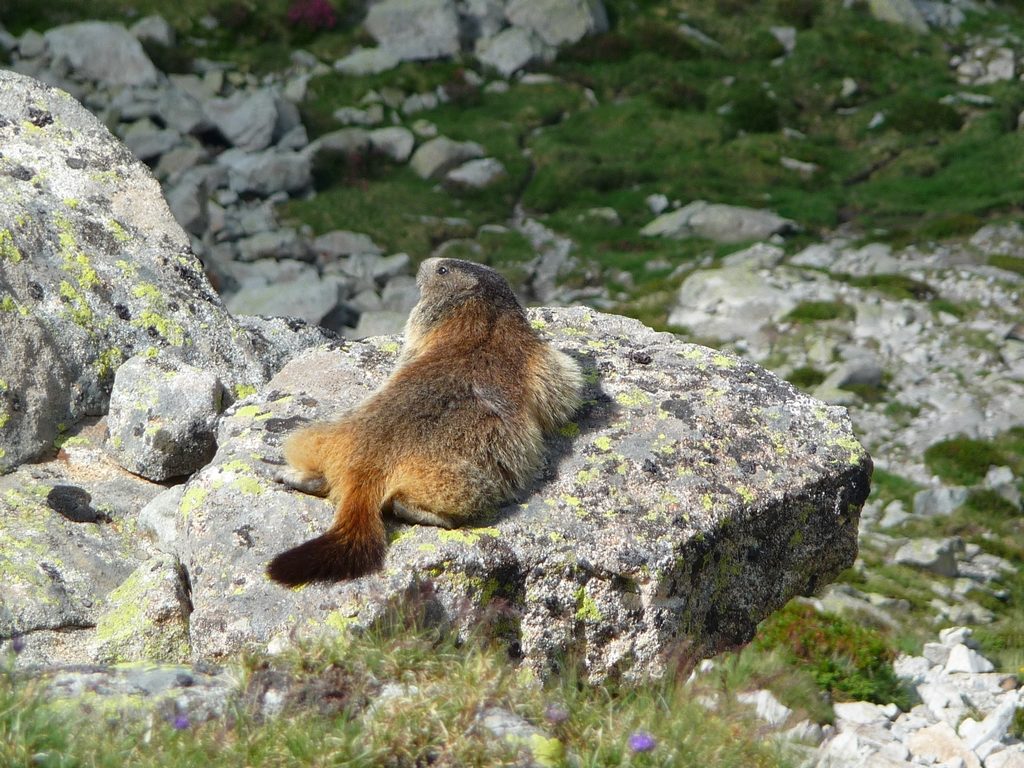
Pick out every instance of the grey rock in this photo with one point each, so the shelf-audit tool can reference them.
(101, 51)
(400, 293)
(559, 22)
(267, 172)
(395, 142)
(159, 518)
(939, 502)
(341, 242)
(415, 29)
(612, 564)
(1011, 757)
(475, 174)
(518, 732)
(420, 102)
(308, 297)
(98, 269)
(729, 303)
(936, 653)
(379, 322)
(154, 27)
(369, 271)
(513, 49)
(31, 44)
(940, 744)
(8, 42)
(188, 202)
(146, 617)
(147, 141)
(284, 243)
(177, 161)
(58, 571)
(963, 659)
(182, 111)
(162, 416)
(296, 139)
(344, 140)
(481, 18)
(935, 555)
(280, 339)
(145, 691)
(436, 157)
(786, 37)
(245, 119)
(721, 223)
(902, 12)
(356, 116)
(767, 707)
(757, 256)
(367, 61)
(864, 712)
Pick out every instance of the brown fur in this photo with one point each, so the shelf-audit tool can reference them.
(457, 427)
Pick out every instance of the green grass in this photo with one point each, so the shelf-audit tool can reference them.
(1009, 263)
(816, 311)
(437, 725)
(965, 461)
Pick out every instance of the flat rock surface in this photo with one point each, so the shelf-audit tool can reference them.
(694, 494)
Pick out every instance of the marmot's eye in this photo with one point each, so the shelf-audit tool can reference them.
(442, 270)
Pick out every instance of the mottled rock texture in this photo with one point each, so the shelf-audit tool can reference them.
(694, 494)
(93, 269)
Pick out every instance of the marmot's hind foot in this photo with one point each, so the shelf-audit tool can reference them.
(307, 482)
(410, 513)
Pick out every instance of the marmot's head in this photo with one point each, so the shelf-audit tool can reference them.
(447, 284)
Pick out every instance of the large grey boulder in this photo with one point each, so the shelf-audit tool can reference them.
(559, 22)
(162, 416)
(93, 270)
(694, 494)
(101, 51)
(719, 222)
(415, 29)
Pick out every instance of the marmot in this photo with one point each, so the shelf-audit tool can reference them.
(457, 427)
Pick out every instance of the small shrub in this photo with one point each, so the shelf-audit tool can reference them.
(806, 377)
(665, 41)
(313, 15)
(814, 311)
(895, 286)
(763, 45)
(962, 460)
(917, 114)
(847, 659)
(753, 111)
(675, 94)
(800, 13)
(1009, 263)
(607, 48)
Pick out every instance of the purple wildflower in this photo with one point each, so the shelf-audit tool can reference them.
(641, 741)
(556, 714)
(312, 14)
(180, 723)
(17, 644)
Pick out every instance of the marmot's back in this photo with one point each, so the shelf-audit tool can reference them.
(457, 428)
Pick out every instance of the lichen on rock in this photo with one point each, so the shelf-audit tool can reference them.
(696, 494)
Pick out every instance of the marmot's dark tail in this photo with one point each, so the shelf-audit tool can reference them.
(353, 546)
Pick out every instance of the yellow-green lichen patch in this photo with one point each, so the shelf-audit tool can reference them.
(191, 500)
(243, 390)
(131, 629)
(723, 361)
(8, 250)
(154, 315)
(603, 443)
(587, 475)
(547, 752)
(391, 347)
(108, 361)
(255, 412)
(850, 444)
(78, 308)
(586, 608)
(633, 398)
(572, 429)
(119, 232)
(745, 493)
(467, 536)
(538, 324)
